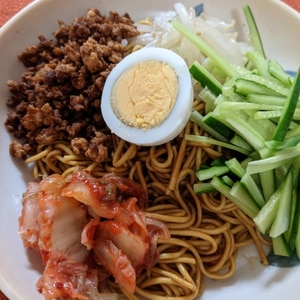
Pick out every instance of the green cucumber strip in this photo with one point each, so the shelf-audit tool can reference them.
(280, 174)
(203, 187)
(295, 131)
(228, 91)
(278, 72)
(291, 232)
(245, 162)
(235, 167)
(261, 84)
(265, 153)
(212, 68)
(260, 62)
(297, 219)
(297, 242)
(218, 126)
(248, 182)
(282, 218)
(294, 124)
(221, 62)
(276, 114)
(204, 174)
(209, 98)
(271, 84)
(288, 142)
(249, 208)
(220, 161)
(249, 65)
(240, 142)
(288, 110)
(211, 141)
(267, 181)
(226, 179)
(240, 126)
(280, 158)
(281, 246)
(247, 106)
(267, 124)
(245, 202)
(253, 30)
(261, 115)
(220, 99)
(265, 217)
(266, 99)
(205, 78)
(245, 87)
(296, 116)
(262, 126)
(197, 118)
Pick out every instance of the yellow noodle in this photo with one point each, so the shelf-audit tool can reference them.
(178, 162)
(197, 203)
(181, 259)
(64, 147)
(121, 158)
(41, 169)
(38, 156)
(172, 275)
(176, 278)
(242, 238)
(118, 171)
(69, 171)
(251, 228)
(92, 167)
(155, 155)
(50, 160)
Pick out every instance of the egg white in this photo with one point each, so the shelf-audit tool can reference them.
(178, 116)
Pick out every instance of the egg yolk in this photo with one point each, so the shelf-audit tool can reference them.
(144, 95)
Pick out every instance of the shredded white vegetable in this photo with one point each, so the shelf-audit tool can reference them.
(219, 34)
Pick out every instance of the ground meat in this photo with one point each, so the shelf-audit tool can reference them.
(58, 97)
(93, 149)
(16, 150)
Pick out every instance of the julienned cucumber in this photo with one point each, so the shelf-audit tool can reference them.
(263, 128)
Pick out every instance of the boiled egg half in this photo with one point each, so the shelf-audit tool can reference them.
(148, 97)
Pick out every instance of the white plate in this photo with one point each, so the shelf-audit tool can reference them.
(19, 269)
